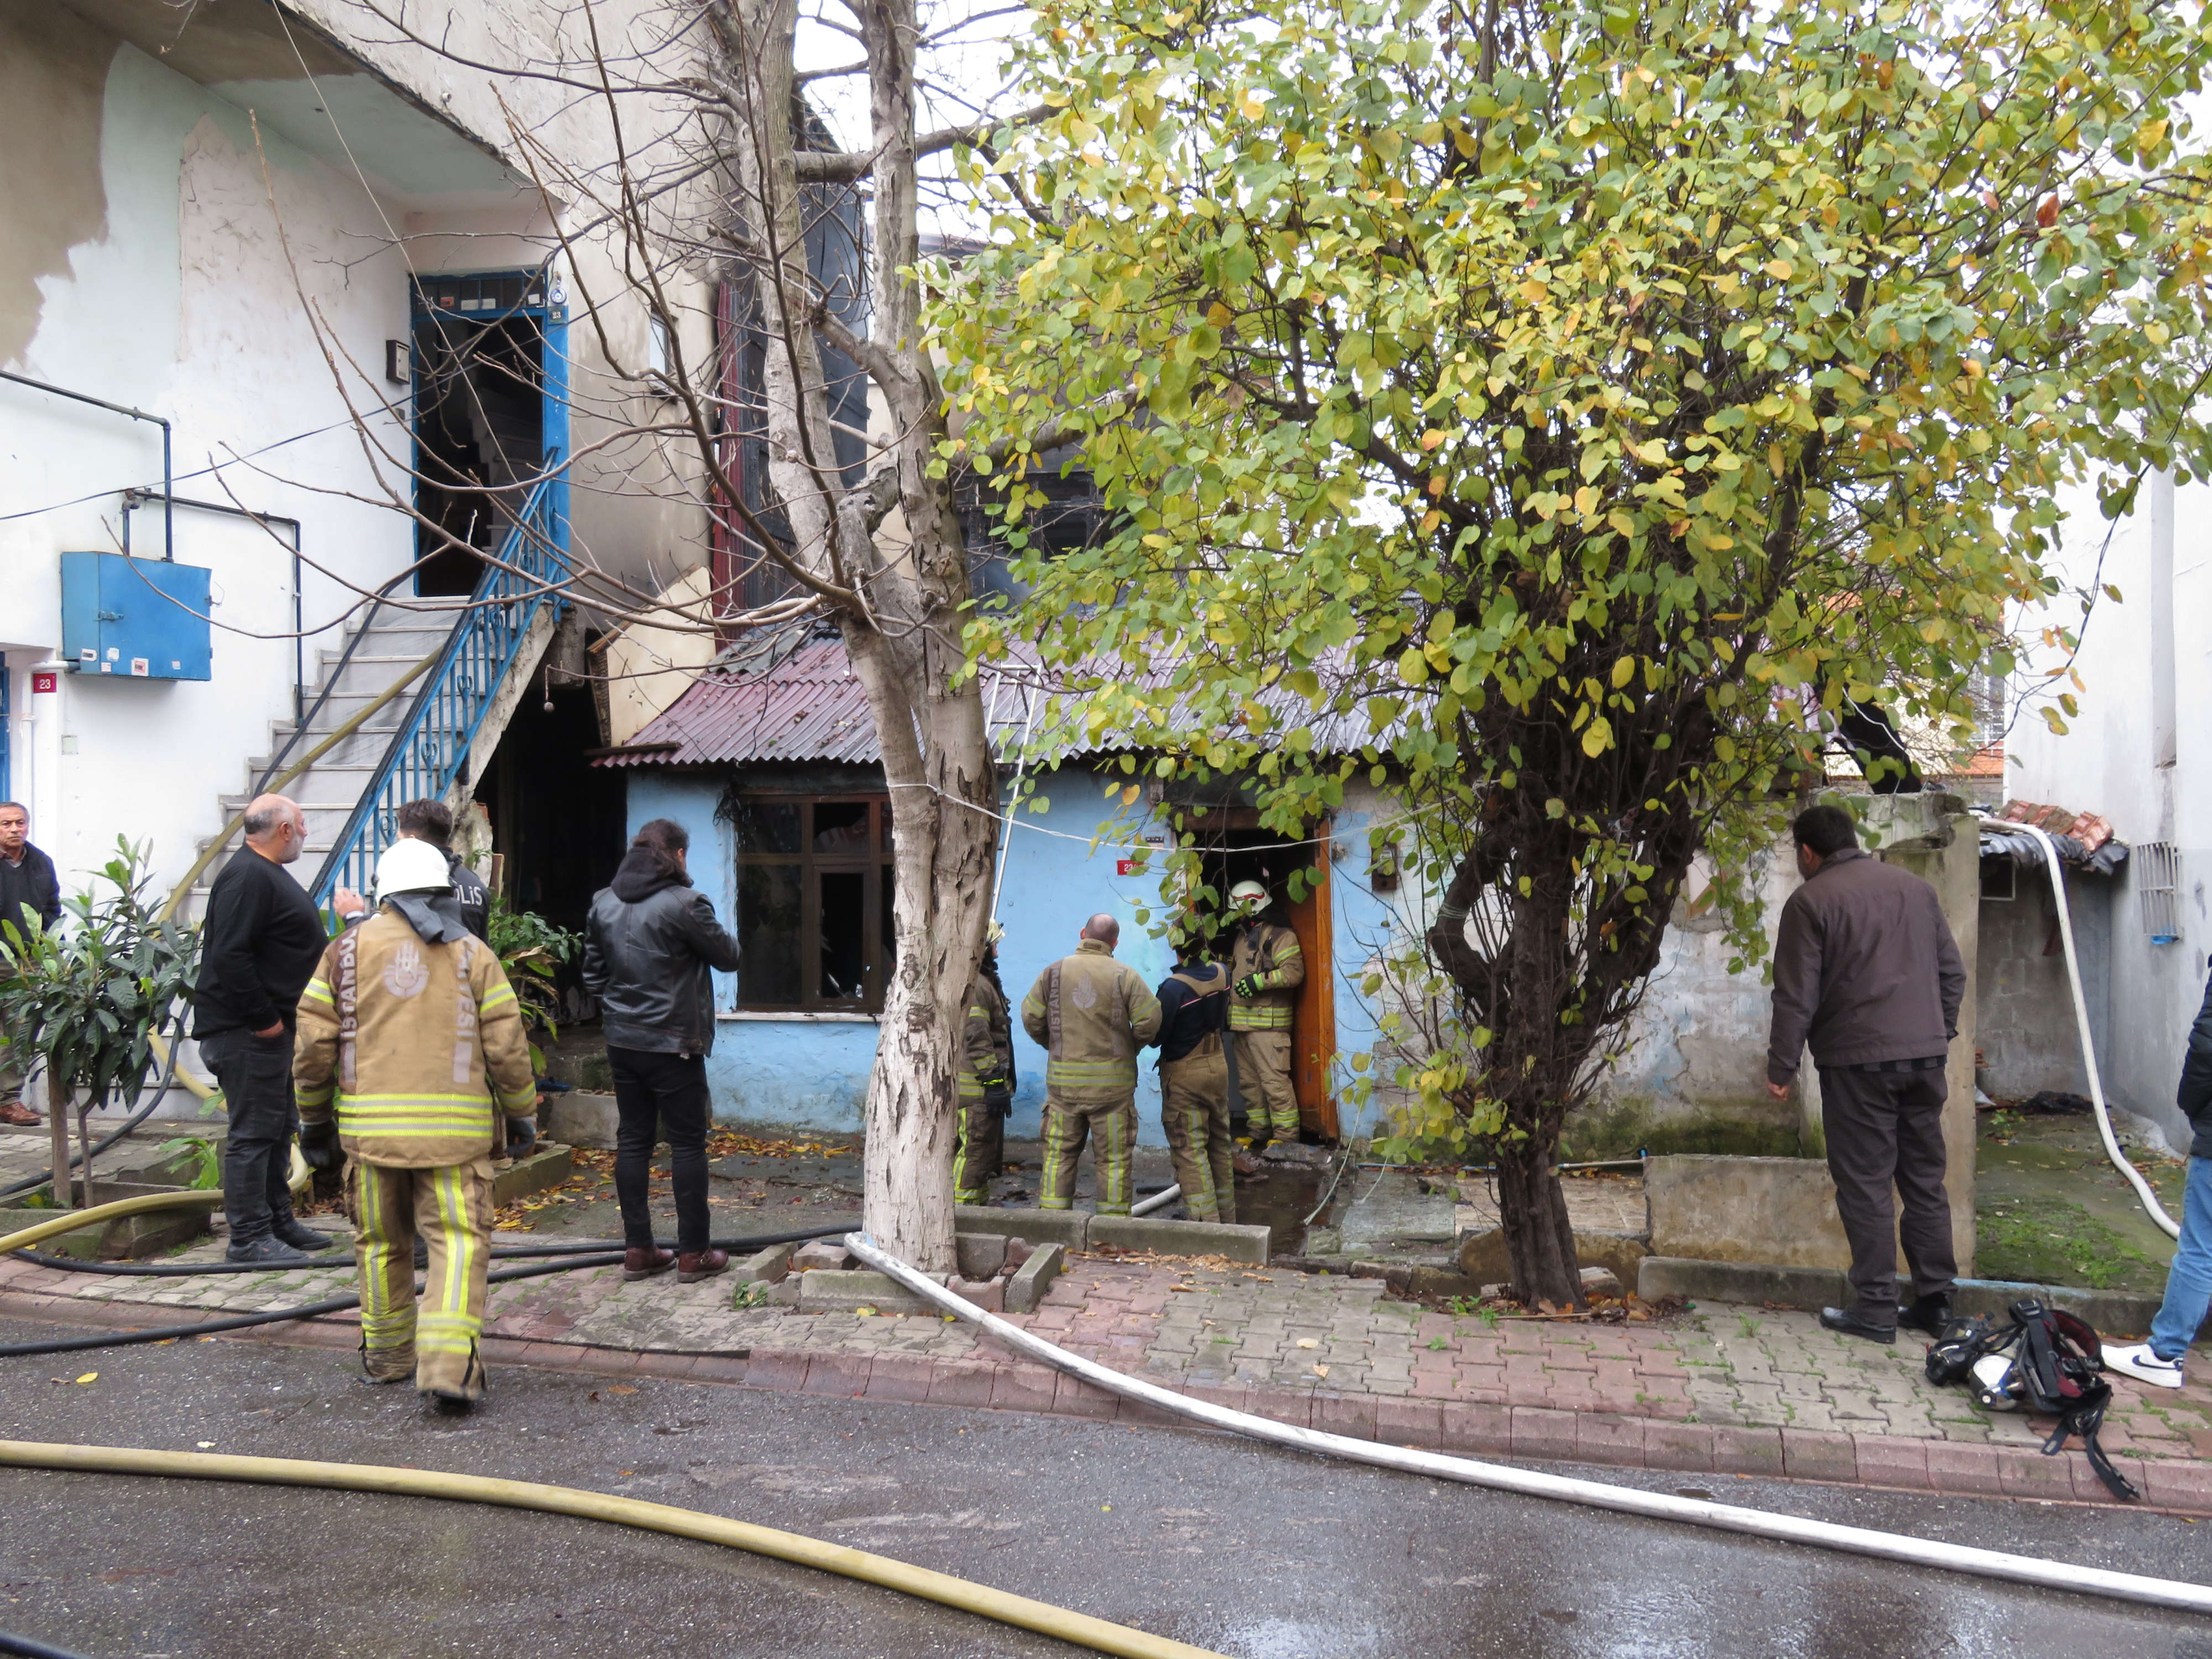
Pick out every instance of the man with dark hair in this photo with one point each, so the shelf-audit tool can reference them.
(650, 946)
(1194, 1082)
(259, 948)
(431, 820)
(1867, 972)
(27, 882)
(1090, 1015)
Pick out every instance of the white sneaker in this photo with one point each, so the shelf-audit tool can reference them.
(2136, 1361)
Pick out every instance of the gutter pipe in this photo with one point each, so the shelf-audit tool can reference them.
(1535, 1483)
(2148, 1199)
(169, 472)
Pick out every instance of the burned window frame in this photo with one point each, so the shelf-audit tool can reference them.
(872, 863)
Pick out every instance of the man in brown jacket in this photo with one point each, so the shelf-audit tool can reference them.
(1866, 971)
(1091, 1014)
(410, 1052)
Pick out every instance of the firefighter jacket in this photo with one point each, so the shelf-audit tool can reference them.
(1092, 1014)
(418, 1047)
(1272, 953)
(988, 1055)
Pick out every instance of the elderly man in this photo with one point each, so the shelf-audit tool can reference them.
(259, 947)
(1091, 1014)
(27, 882)
(1866, 971)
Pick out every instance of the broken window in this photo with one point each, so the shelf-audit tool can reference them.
(814, 902)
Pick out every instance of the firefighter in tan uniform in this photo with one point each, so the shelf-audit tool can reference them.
(1091, 1014)
(987, 1081)
(411, 1053)
(1264, 980)
(1195, 1084)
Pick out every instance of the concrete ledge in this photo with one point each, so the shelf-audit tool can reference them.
(1126, 1232)
(827, 1289)
(1756, 1210)
(2113, 1313)
(1026, 1289)
(1483, 1258)
(549, 1166)
(581, 1118)
(767, 1267)
(1812, 1288)
(1066, 1227)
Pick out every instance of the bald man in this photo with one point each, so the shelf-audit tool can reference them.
(1091, 1015)
(259, 948)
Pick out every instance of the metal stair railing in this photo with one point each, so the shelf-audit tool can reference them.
(428, 751)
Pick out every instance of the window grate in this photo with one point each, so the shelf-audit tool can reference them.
(2157, 866)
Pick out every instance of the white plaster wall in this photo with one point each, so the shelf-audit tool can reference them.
(2110, 764)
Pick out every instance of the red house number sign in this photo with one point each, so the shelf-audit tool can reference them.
(45, 682)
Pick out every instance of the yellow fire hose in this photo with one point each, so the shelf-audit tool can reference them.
(1098, 1634)
(68, 1221)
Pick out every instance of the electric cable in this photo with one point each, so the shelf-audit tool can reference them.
(31, 1648)
(1535, 1483)
(500, 1252)
(1100, 1635)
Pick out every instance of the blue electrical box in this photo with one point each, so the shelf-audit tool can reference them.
(142, 619)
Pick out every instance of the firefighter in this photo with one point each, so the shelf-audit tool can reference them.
(1194, 1083)
(1091, 1014)
(986, 1080)
(1264, 978)
(411, 1053)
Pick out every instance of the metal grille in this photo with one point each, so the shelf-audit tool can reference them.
(2157, 866)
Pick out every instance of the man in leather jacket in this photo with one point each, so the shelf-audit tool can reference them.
(650, 946)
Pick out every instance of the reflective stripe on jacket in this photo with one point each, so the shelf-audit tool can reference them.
(417, 1048)
(1273, 953)
(987, 1055)
(1092, 1014)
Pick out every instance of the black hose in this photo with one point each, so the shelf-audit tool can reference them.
(501, 1252)
(76, 1157)
(31, 1648)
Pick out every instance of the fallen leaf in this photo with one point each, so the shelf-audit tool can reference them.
(89, 1376)
(1320, 1370)
(621, 1388)
(204, 1445)
(1308, 1342)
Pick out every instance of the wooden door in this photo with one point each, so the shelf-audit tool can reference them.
(1313, 1026)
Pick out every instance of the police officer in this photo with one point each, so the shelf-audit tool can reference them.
(986, 1080)
(1265, 976)
(1091, 1014)
(1194, 1083)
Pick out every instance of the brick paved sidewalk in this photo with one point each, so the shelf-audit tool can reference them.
(1724, 1390)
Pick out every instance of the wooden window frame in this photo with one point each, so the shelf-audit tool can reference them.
(874, 864)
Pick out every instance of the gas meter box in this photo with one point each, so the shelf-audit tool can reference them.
(135, 618)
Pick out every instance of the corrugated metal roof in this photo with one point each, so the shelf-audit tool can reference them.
(809, 706)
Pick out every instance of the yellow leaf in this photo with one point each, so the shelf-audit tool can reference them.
(1320, 1370)
(1218, 314)
(1429, 521)
(1308, 1342)
(1623, 672)
(1129, 796)
(1586, 500)
(621, 1388)
(1597, 737)
(1780, 270)
(1432, 437)
(89, 1376)
(1413, 668)
(2151, 136)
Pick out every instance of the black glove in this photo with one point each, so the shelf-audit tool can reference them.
(522, 1136)
(1249, 986)
(318, 1145)
(1000, 1098)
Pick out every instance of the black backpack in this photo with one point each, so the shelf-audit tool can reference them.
(2040, 1360)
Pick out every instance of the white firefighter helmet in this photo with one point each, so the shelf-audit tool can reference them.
(1248, 895)
(411, 867)
(993, 933)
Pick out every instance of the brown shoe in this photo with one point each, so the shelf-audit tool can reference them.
(20, 1115)
(691, 1268)
(642, 1263)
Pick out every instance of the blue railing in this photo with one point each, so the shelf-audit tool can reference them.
(432, 744)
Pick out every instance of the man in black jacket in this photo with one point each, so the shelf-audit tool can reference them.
(2189, 1280)
(27, 882)
(432, 821)
(259, 948)
(650, 946)
(1194, 1083)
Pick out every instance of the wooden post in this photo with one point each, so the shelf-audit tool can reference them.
(58, 1105)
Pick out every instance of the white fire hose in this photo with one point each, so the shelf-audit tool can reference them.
(2152, 1208)
(1628, 1500)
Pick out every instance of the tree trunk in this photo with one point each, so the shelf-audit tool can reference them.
(57, 1107)
(1539, 1241)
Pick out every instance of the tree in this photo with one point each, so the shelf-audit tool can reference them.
(708, 168)
(1572, 406)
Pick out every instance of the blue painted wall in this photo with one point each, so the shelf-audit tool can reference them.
(813, 1073)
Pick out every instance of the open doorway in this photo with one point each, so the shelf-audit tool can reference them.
(557, 823)
(480, 416)
(1234, 848)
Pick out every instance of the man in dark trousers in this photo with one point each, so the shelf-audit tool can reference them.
(650, 946)
(1194, 1082)
(27, 882)
(259, 948)
(1865, 969)
(432, 821)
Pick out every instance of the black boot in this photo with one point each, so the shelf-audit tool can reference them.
(299, 1235)
(1930, 1314)
(1850, 1322)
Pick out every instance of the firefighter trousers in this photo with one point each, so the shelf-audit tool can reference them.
(450, 1206)
(979, 1152)
(1067, 1127)
(1194, 1112)
(1263, 1077)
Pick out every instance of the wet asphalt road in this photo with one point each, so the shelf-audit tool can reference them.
(1248, 1551)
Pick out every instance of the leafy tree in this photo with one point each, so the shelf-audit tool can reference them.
(1569, 406)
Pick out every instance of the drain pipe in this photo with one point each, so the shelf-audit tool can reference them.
(1534, 1483)
(2152, 1208)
